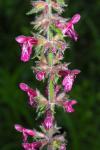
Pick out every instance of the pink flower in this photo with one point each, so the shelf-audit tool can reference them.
(68, 105)
(27, 44)
(68, 82)
(69, 77)
(48, 121)
(30, 92)
(26, 132)
(68, 28)
(40, 75)
(63, 73)
(32, 146)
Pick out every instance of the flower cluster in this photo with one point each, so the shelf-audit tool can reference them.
(43, 138)
(49, 47)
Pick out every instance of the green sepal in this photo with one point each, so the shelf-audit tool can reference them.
(51, 90)
(38, 50)
(34, 10)
(41, 110)
(56, 79)
(35, 139)
(50, 58)
(43, 129)
(61, 2)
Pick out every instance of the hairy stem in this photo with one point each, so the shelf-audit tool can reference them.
(50, 60)
(50, 80)
(51, 86)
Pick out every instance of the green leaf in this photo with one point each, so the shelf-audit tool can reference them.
(56, 79)
(38, 50)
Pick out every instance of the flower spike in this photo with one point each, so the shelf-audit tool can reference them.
(49, 47)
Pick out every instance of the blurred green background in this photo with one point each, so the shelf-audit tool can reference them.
(83, 126)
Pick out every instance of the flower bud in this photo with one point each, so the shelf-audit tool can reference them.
(48, 121)
(62, 147)
(40, 75)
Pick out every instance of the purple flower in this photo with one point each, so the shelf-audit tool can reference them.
(48, 121)
(69, 77)
(40, 75)
(32, 146)
(68, 105)
(68, 28)
(26, 44)
(68, 82)
(30, 92)
(26, 132)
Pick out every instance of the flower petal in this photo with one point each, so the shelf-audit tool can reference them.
(23, 87)
(72, 34)
(21, 39)
(48, 121)
(40, 75)
(75, 18)
(68, 105)
(30, 132)
(19, 128)
(26, 52)
(31, 146)
(75, 71)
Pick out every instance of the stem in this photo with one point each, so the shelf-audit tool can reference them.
(51, 94)
(51, 86)
(50, 60)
